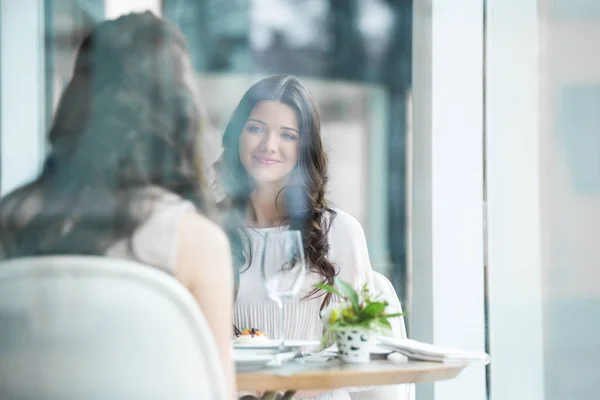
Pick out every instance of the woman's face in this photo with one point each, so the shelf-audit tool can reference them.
(270, 142)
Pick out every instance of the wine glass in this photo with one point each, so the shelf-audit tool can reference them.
(283, 270)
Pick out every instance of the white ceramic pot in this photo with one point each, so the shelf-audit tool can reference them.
(353, 344)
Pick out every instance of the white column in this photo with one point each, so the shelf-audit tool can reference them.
(22, 91)
(447, 194)
(513, 187)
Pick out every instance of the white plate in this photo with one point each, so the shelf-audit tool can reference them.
(250, 359)
(271, 344)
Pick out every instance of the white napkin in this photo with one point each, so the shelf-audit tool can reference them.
(429, 352)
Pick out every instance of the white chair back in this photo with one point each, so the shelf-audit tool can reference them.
(75, 327)
(383, 285)
(391, 392)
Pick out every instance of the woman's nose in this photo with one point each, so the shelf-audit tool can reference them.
(269, 142)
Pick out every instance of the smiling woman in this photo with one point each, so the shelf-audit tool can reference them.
(273, 172)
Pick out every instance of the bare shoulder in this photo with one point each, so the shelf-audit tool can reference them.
(198, 230)
(203, 245)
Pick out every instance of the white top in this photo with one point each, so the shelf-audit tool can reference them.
(156, 240)
(254, 309)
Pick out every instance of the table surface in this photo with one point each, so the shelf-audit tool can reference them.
(334, 375)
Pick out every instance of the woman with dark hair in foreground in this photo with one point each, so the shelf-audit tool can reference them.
(123, 177)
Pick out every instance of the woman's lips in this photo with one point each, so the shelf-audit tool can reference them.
(266, 160)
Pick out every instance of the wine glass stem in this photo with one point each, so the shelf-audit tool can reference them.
(281, 305)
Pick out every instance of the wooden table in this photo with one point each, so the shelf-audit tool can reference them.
(337, 375)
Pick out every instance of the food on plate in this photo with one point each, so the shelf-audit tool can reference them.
(250, 335)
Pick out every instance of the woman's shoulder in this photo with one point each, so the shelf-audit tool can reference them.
(197, 226)
(165, 217)
(344, 223)
(348, 248)
(344, 230)
(202, 244)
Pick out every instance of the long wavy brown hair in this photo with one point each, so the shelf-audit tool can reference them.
(128, 121)
(304, 195)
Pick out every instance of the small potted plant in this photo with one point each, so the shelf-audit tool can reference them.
(355, 320)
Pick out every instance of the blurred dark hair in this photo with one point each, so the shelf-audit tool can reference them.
(128, 121)
(304, 196)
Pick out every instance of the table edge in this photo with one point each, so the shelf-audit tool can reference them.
(411, 372)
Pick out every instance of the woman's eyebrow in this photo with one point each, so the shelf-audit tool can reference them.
(257, 120)
(283, 127)
(290, 129)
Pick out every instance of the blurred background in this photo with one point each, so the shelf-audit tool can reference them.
(463, 135)
(354, 56)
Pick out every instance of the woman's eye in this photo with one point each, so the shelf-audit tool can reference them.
(254, 129)
(288, 136)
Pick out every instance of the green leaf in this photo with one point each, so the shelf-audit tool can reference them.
(329, 289)
(350, 293)
(372, 310)
(392, 315)
(385, 323)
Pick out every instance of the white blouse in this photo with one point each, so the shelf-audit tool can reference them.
(254, 309)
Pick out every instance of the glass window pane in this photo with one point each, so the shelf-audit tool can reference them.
(570, 197)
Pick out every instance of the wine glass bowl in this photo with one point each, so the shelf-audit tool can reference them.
(283, 270)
